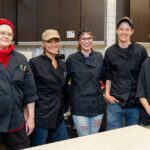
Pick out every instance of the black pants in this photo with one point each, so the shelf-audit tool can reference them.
(15, 140)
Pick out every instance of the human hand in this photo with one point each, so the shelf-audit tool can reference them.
(110, 99)
(30, 125)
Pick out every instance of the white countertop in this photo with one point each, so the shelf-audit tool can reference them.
(127, 138)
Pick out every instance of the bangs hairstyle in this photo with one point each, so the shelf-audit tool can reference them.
(84, 30)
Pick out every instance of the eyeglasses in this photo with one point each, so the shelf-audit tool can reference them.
(89, 39)
(4, 34)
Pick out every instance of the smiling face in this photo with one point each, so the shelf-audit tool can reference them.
(124, 32)
(6, 36)
(86, 41)
(51, 46)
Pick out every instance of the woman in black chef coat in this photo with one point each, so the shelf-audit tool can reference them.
(49, 73)
(84, 71)
(17, 90)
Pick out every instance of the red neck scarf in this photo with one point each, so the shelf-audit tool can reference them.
(5, 55)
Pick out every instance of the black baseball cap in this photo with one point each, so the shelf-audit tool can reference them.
(126, 19)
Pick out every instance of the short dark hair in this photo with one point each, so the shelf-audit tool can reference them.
(83, 31)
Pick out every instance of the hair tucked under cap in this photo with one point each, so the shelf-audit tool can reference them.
(50, 34)
(126, 19)
(7, 22)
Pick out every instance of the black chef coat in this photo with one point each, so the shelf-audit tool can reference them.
(17, 89)
(122, 66)
(85, 74)
(49, 83)
(143, 89)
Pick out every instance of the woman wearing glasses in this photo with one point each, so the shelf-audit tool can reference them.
(17, 89)
(84, 71)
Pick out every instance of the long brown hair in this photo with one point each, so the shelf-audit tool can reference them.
(80, 33)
